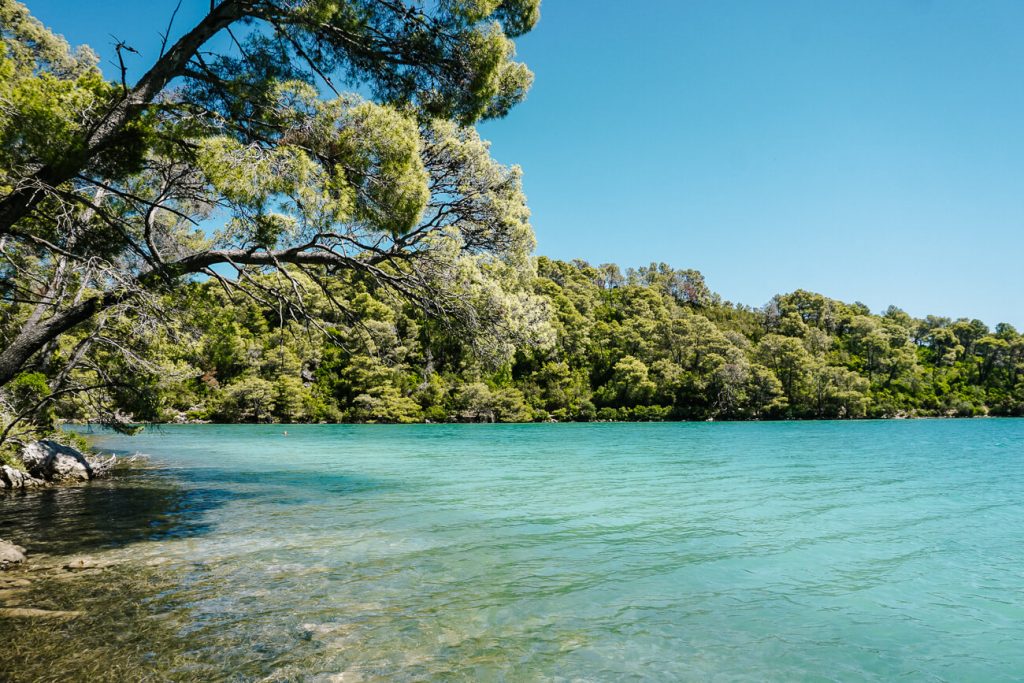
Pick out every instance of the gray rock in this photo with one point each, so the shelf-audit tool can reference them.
(10, 554)
(52, 461)
(11, 478)
(81, 564)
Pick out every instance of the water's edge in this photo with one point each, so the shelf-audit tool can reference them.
(745, 550)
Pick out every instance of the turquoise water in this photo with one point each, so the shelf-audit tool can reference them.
(745, 551)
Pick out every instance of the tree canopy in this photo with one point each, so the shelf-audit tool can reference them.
(633, 350)
(307, 227)
(227, 165)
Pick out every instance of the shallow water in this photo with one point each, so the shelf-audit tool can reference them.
(746, 551)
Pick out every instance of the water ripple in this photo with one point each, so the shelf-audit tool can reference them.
(786, 551)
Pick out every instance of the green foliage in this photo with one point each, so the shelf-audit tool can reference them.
(72, 439)
(9, 456)
(381, 222)
(249, 399)
(51, 97)
(104, 186)
(620, 348)
(27, 389)
(380, 149)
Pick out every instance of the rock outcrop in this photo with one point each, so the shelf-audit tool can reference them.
(55, 462)
(13, 478)
(30, 613)
(48, 462)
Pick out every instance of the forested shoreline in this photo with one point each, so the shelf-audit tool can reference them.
(233, 239)
(652, 343)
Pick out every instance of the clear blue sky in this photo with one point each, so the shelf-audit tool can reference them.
(870, 150)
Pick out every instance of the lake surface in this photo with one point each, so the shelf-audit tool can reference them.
(605, 552)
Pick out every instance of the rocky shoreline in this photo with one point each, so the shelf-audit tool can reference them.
(47, 463)
(18, 600)
(42, 464)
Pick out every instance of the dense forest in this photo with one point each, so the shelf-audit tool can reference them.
(233, 238)
(653, 343)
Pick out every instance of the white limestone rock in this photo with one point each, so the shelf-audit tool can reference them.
(55, 462)
(10, 554)
(13, 478)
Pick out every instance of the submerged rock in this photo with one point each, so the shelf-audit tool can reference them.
(81, 564)
(30, 613)
(10, 554)
(10, 597)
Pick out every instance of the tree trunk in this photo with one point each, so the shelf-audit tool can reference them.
(34, 337)
(28, 194)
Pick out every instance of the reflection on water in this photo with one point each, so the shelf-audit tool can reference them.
(535, 552)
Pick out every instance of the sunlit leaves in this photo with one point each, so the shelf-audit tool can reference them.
(378, 147)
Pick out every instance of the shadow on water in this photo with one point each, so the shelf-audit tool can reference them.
(107, 514)
(154, 504)
(136, 619)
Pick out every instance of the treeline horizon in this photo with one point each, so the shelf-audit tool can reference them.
(648, 344)
(372, 262)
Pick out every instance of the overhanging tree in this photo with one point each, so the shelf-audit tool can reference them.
(229, 164)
